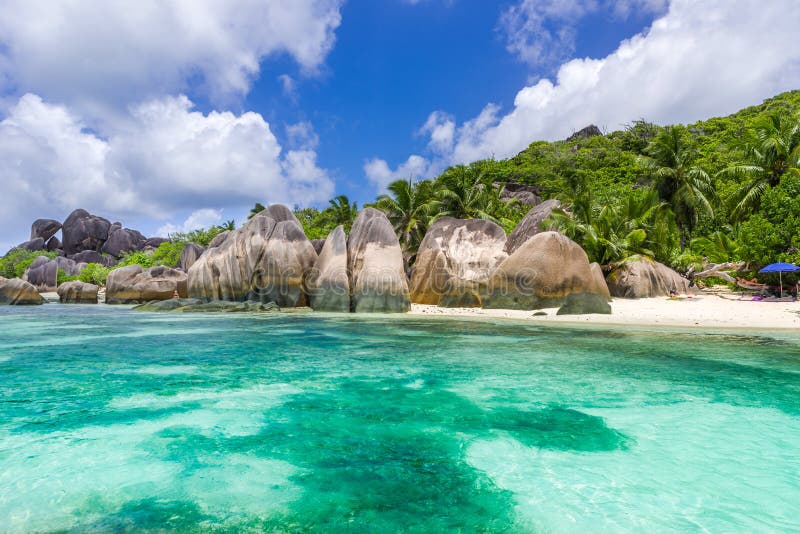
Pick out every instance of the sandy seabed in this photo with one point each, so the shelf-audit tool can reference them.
(700, 311)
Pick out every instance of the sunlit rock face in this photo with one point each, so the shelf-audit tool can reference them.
(189, 255)
(644, 278)
(531, 224)
(84, 231)
(547, 271)
(77, 292)
(328, 284)
(454, 259)
(265, 260)
(375, 264)
(134, 285)
(17, 292)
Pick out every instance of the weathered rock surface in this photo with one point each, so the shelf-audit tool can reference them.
(645, 278)
(18, 292)
(199, 305)
(76, 292)
(525, 194)
(266, 260)
(531, 224)
(44, 228)
(454, 259)
(123, 240)
(52, 244)
(84, 231)
(585, 133)
(134, 285)
(42, 273)
(91, 256)
(33, 245)
(318, 244)
(327, 284)
(549, 270)
(220, 239)
(189, 255)
(375, 264)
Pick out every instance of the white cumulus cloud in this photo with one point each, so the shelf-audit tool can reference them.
(380, 175)
(202, 218)
(97, 53)
(699, 60)
(164, 159)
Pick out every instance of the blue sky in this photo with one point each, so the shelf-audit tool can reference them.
(169, 115)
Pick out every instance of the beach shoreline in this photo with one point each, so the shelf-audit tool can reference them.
(702, 311)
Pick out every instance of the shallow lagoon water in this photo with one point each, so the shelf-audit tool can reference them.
(113, 420)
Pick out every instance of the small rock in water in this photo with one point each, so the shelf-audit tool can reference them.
(198, 305)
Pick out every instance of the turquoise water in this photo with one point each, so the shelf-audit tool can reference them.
(113, 420)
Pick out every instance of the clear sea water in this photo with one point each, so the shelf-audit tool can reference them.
(114, 420)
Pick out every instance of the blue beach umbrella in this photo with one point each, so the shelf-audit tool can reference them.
(780, 268)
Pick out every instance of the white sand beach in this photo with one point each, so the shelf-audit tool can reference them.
(706, 310)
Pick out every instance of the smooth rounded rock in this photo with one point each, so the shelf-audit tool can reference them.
(645, 278)
(77, 292)
(15, 291)
(44, 228)
(328, 284)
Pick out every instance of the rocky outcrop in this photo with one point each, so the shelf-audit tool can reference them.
(84, 231)
(134, 285)
(644, 278)
(524, 194)
(375, 265)
(549, 270)
(91, 256)
(76, 292)
(454, 259)
(585, 133)
(531, 224)
(220, 239)
(123, 240)
(327, 284)
(52, 244)
(18, 292)
(44, 228)
(42, 273)
(33, 245)
(266, 260)
(189, 255)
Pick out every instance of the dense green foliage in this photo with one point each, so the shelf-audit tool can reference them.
(13, 264)
(94, 273)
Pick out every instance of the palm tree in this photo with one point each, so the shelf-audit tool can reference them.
(773, 151)
(465, 193)
(408, 207)
(258, 208)
(341, 211)
(228, 225)
(683, 185)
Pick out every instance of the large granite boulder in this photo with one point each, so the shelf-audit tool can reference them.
(44, 228)
(265, 260)
(84, 231)
(644, 278)
(53, 244)
(42, 273)
(375, 263)
(90, 256)
(135, 285)
(531, 224)
(18, 292)
(189, 255)
(76, 292)
(123, 240)
(524, 194)
(219, 239)
(327, 283)
(454, 259)
(549, 270)
(33, 245)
